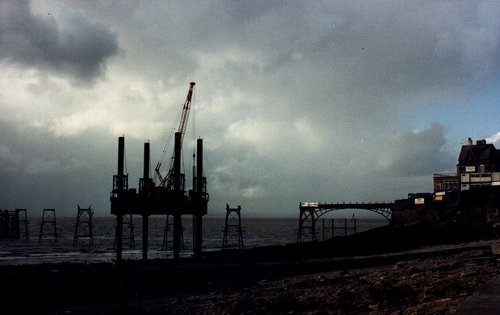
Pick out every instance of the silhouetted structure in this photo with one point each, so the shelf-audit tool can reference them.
(153, 200)
(83, 225)
(11, 222)
(127, 232)
(478, 166)
(129, 235)
(445, 182)
(48, 226)
(232, 228)
(310, 212)
(168, 198)
(458, 198)
(23, 223)
(169, 227)
(347, 227)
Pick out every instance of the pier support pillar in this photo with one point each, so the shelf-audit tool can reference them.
(306, 214)
(200, 201)
(145, 185)
(119, 237)
(120, 186)
(178, 191)
(145, 236)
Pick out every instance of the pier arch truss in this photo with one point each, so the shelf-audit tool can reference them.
(310, 212)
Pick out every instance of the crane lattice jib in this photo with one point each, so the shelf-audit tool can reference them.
(185, 110)
(167, 180)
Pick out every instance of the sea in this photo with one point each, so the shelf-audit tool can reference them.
(39, 246)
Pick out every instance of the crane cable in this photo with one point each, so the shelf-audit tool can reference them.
(169, 140)
(173, 131)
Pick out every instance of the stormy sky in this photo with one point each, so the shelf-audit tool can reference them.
(295, 100)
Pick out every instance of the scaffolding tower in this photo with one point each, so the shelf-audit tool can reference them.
(48, 226)
(128, 226)
(232, 228)
(83, 225)
(10, 224)
(22, 217)
(169, 227)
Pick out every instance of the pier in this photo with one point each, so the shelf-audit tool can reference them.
(310, 212)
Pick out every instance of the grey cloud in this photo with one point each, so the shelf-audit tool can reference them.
(356, 74)
(39, 171)
(78, 49)
(407, 50)
(346, 64)
(418, 153)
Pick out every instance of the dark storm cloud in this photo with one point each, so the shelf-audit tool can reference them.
(78, 48)
(40, 171)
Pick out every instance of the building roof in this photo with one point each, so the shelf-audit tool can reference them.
(477, 153)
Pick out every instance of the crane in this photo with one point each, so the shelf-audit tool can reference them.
(166, 182)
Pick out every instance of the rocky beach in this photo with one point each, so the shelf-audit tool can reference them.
(430, 285)
(313, 278)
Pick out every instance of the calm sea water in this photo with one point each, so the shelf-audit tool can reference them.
(256, 232)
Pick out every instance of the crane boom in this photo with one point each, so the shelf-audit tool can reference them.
(166, 181)
(185, 110)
